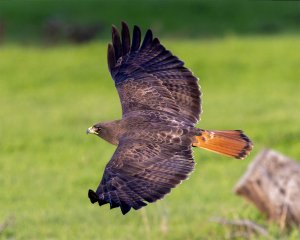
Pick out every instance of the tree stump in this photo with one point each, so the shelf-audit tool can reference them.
(272, 183)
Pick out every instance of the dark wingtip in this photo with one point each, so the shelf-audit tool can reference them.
(156, 41)
(124, 25)
(148, 38)
(116, 40)
(136, 38)
(101, 202)
(113, 204)
(125, 208)
(113, 28)
(125, 38)
(140, 205)
(111, 59)
(93, 196)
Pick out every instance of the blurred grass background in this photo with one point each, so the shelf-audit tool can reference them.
(247, 57)
(27, 20)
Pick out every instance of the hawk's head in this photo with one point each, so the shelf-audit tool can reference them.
(109, 131)
(96, 129)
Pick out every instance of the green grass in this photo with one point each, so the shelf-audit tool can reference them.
(49, 96)
(190, 18)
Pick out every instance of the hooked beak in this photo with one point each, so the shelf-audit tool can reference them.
(91, 130)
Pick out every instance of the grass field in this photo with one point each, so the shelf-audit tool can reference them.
(26, 20)
(49, 96)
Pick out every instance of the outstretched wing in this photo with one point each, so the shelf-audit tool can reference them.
(149, 77)
(141, 171)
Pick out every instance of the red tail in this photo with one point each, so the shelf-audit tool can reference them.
(232, 143)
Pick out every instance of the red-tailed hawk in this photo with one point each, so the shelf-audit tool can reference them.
(160, 104)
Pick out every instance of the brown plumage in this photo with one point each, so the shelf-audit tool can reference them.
(161, 104)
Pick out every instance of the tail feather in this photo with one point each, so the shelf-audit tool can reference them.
(232, 143)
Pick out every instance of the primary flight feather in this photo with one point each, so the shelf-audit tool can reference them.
(161, 104)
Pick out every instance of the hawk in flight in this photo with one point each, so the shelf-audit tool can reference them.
(161, 104)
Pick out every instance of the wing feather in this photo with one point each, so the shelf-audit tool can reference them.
(147, 39)
(111, 58)
(125, 39)
(134, 66)
(136, 39)
(136, 174)
(116, 42)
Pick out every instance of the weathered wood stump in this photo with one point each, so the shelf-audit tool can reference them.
(272, 183)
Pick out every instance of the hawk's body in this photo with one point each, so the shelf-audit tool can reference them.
(161, 104)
